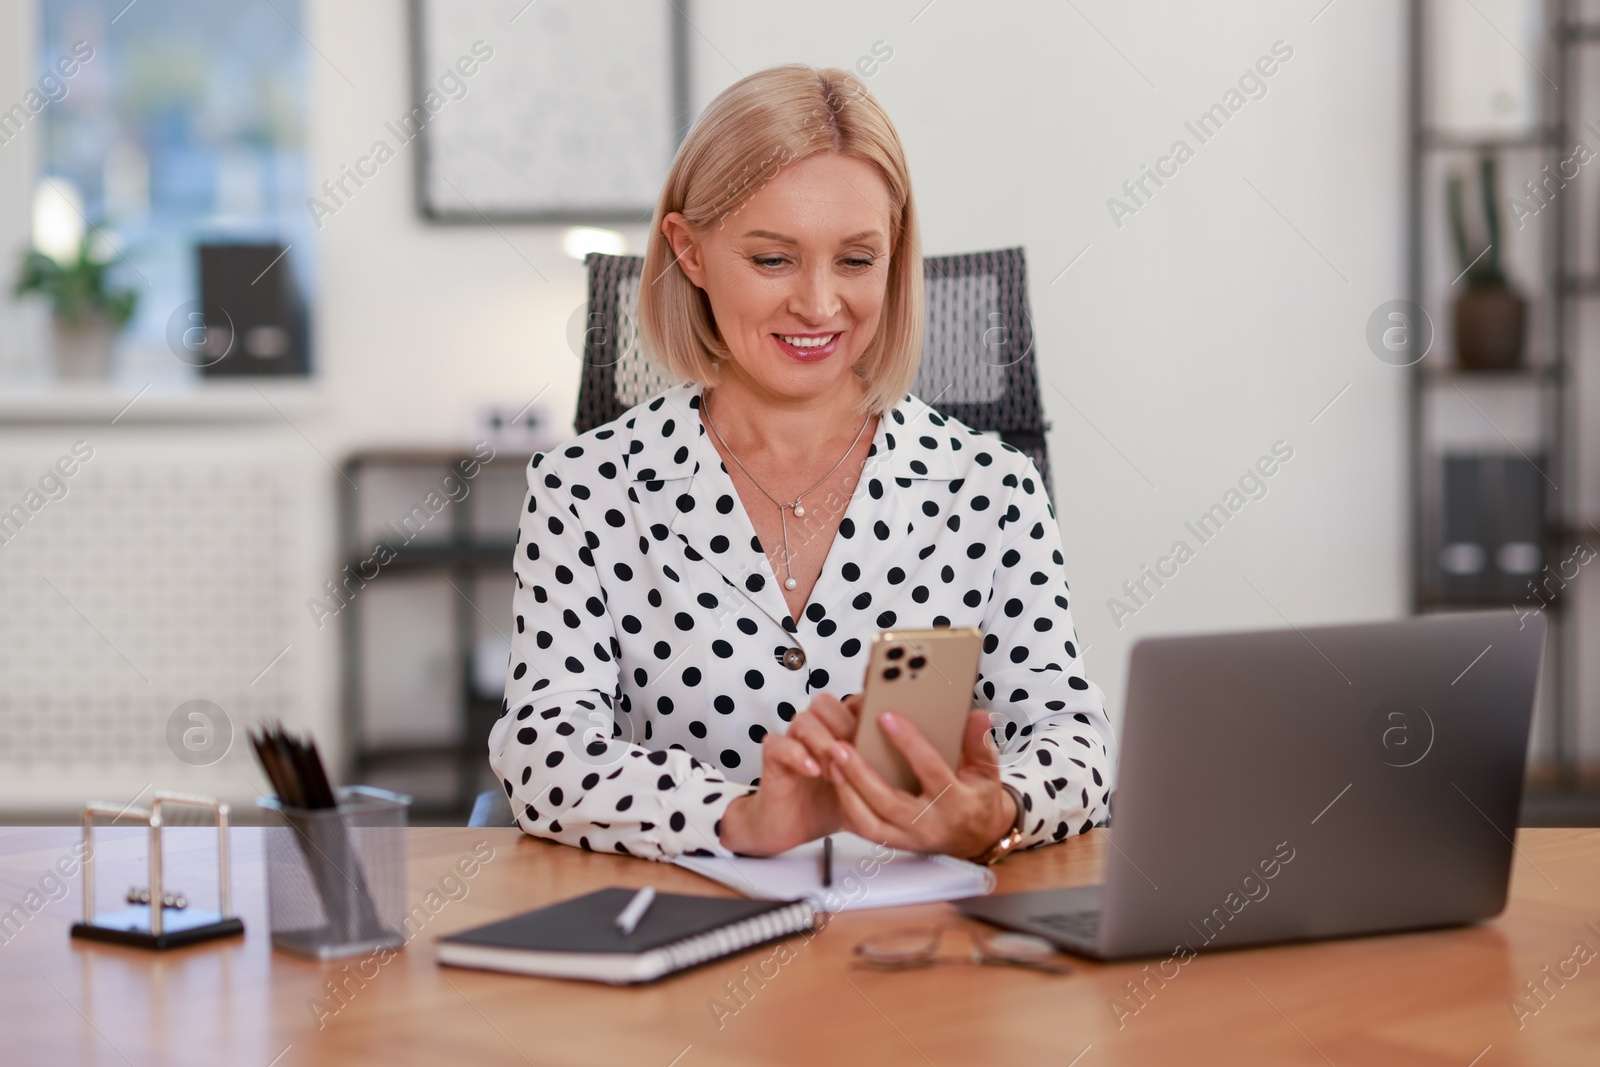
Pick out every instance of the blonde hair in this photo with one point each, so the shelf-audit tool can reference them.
(753, 128)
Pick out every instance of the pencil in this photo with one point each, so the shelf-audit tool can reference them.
(319, 776)
(293, 784)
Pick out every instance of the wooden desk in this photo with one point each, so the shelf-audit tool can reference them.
(1432, 998)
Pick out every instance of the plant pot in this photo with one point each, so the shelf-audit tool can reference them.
(83, 349)
(1490, 321)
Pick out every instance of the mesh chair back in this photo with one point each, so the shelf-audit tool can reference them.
(977, 357)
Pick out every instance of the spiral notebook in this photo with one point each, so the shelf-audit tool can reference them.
(578, 938)
(865, 875)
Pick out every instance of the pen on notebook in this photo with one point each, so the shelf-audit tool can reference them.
(827, 862)
(630, 915)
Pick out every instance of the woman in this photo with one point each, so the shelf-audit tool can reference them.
(699, 580)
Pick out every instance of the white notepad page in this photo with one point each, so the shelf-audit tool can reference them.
(865, 875)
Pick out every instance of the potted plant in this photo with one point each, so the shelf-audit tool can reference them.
(1490, 315)
(85, 310)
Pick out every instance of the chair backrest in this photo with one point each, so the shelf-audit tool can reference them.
(491, 809)
(977, 356)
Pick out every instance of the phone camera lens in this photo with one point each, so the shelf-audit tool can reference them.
(895, 653)
(891, 673)
(917, 663)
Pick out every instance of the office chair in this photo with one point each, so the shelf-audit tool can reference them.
(977, 351)
(977, 365)
(491, 809)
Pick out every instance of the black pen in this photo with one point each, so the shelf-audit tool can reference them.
(827, 861)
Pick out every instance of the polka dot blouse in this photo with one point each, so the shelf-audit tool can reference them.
(653, 648)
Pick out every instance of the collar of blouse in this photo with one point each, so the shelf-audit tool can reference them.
(685, 491)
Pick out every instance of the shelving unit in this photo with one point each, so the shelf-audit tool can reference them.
(1549, 370)
(461, 557)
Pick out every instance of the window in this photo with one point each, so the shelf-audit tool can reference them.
(186, 123)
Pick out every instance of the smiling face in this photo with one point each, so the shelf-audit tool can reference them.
(796, 276)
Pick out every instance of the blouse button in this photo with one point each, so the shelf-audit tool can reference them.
(794, 658)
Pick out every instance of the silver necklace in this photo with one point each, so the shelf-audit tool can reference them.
(798, 507)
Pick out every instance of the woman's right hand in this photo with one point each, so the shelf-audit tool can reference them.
(795, 801)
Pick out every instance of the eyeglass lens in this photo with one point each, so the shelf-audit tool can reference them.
(909, 948)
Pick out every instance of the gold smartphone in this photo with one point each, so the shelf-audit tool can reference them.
(926, 677)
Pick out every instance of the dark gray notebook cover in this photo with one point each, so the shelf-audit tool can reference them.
(588, 923)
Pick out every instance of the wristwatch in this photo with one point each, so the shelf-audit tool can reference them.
(998, 851)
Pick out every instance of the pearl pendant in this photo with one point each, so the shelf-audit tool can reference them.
(799, 510)
(790, 583)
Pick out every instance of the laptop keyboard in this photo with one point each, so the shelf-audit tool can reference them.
(1079, 926)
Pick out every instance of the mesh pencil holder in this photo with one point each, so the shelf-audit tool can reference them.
(336, 877)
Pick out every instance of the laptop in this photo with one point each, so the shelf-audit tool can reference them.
(1287, 785)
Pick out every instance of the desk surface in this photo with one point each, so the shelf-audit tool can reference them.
(1442, 997)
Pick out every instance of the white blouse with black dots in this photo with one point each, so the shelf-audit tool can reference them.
(653, 647)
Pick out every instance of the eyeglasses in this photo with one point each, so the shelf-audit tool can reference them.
(899, 950)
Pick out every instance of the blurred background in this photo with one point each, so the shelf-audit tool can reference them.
(289, 280)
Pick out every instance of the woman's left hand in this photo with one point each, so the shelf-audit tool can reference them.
(960, 812)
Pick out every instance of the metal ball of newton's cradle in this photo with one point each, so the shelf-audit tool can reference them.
(141, 895)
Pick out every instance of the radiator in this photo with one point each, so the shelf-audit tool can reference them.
(165, 578)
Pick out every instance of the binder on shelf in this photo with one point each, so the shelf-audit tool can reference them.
(1463, 555)
(1519, 551)
(255, 318)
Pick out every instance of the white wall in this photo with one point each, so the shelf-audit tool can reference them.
(20, 332)
(1189, 340)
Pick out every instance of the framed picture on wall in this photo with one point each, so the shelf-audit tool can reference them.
(544, 110)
